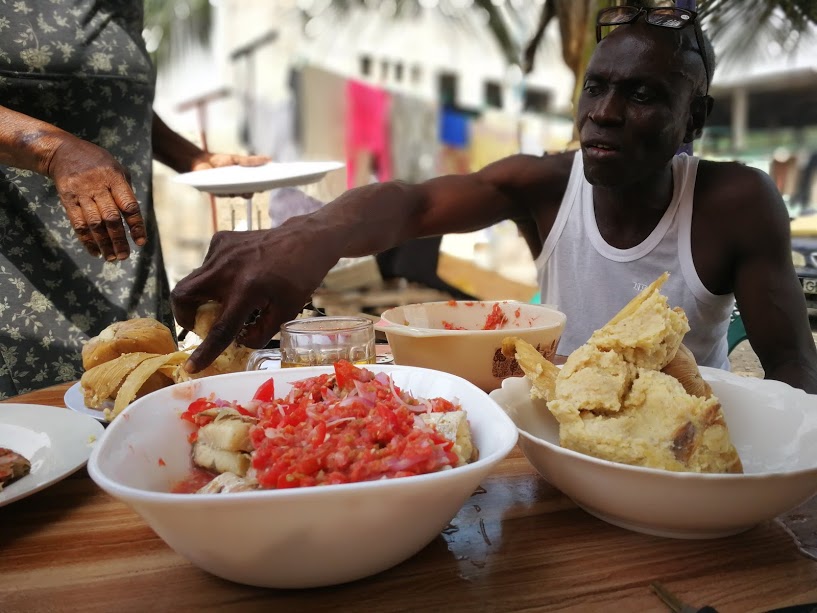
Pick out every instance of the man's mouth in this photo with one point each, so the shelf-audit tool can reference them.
(600, 150)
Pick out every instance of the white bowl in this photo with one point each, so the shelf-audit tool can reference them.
(773, 426)
(418, 336)
(294, 538)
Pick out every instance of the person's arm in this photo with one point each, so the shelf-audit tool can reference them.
(767, 290)
(178, 153)
(275, 271)
(93, 187)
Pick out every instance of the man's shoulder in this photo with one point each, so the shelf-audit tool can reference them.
(733, 185)
(545, 176)
(739, 199)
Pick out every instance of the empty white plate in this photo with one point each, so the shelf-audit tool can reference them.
(245, 179)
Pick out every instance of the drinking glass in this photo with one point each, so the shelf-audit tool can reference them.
(315, 341)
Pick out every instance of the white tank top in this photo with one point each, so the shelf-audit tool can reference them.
(590, 281)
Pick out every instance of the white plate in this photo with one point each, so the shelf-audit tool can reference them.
(244, 179)
(75, 401)
(56, 442)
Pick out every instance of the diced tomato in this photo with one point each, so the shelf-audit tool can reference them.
(346, 374)
(266, 391)
(196, 407)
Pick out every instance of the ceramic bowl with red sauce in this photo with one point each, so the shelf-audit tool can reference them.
(464, 338)
(311, 536)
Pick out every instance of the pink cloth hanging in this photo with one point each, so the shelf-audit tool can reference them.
(367, 133)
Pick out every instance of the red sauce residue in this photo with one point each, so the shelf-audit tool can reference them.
(496, 319)
(517, 313)
(162, 462)
(452, 303)
(449, 326)
(191, 484)
(469, 304)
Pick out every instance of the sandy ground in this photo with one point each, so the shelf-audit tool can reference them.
(744, 360)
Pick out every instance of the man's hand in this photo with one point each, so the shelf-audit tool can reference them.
(95, 190)
(269, 273)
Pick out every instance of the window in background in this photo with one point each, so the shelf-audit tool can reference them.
(447, 88)
(493, 94)
(365, 65)
(536, 100)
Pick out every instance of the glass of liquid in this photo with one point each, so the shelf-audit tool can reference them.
(317, 341)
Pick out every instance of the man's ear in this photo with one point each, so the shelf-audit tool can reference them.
(699, 110)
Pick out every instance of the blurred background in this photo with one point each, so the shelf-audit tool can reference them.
(411, 89)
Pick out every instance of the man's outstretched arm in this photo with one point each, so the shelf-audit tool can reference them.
(275, 271)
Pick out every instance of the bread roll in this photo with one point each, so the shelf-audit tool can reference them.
(142, 335)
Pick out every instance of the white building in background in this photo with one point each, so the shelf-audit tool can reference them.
(407, 54)
(401, 54)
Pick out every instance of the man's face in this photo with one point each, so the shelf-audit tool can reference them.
(635, 105)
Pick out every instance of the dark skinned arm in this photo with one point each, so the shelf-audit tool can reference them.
(93, 187)
(178, 153)
(768, 293)
(275, 271)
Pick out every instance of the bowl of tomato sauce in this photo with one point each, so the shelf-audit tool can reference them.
(464, 338)
(348, 478)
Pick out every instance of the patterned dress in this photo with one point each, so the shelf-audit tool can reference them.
(81, 65)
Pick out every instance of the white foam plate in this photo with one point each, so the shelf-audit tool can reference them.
(75, 401)
(245, 179)
(56, 442)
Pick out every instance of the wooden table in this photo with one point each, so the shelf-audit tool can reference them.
(519, 545)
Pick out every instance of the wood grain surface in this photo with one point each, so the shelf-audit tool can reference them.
(517, 545)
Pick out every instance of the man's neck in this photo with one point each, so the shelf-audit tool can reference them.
(627, 215)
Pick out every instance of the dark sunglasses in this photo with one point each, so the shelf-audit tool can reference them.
(664, 17)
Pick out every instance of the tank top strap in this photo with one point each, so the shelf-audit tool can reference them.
(572, 192)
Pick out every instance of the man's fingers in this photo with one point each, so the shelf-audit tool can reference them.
(112, 222)
(128, 206)
(223, 332)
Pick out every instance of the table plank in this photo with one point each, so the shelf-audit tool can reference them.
(517, 544)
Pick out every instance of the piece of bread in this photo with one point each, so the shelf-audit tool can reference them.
(101, 383)
(613, 402)
(142, 335)
(227, 435)
(646, 332)
(220, 461)
(659, 425)
(453, 425)
(541, 371)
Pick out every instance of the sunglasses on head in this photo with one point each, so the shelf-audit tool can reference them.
(664, 17)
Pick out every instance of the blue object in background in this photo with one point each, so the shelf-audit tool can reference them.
(454, 128)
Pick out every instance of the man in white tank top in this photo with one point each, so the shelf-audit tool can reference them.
(602, 223)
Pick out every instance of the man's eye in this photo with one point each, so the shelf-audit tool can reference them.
(642, 95)
(592, 88)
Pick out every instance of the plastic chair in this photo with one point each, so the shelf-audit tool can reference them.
(736, 333)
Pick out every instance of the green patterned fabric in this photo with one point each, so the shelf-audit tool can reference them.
(81, 65)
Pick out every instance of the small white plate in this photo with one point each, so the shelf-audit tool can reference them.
(56, 442)
(75, 401)
(245, 179)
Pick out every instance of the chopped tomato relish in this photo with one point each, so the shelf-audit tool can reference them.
(343, 428)
(496, 318)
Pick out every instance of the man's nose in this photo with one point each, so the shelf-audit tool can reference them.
(608, 110)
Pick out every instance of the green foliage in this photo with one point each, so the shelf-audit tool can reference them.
(168, 21)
